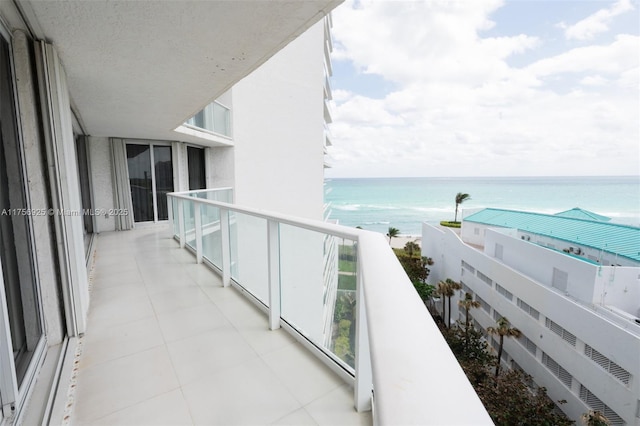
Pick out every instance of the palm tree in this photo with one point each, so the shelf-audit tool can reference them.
(447, 289)
(460, 198)
(503, 329)
(393, 232)
(467, 304)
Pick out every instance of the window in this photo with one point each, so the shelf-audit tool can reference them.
(614, 369)
(557, 370)
(195, 164)
(566, 336)
(150, 185)
(596, 404)
(25, 328)
(468, 267)
(528, 309)
(504, 292)
(485, 278)
(527, 343)
(484, 305)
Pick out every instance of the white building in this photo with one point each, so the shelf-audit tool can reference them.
(108, 107)
(571, 285)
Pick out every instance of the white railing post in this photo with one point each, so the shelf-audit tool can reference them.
(363, 388)
(273, 256)
(225, 235)
(182, 235)
(198, 228)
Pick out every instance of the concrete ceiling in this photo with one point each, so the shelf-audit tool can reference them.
(138, 69)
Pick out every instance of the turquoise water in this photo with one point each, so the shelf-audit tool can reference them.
(404, 203)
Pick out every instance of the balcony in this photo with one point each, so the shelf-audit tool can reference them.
(239, 327)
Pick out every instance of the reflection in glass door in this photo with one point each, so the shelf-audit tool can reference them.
(21, 328)
(150, 185)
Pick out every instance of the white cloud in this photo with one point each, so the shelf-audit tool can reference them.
(460, 108)
(596, 23)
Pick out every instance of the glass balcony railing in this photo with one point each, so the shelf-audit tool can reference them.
(215, 118)
(344, 296)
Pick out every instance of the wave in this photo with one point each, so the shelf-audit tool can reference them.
(364, 207)
(377, 223)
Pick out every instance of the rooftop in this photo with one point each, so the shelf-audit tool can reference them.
(623, 240)
(167, 343)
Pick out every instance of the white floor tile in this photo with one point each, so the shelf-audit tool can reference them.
(297, 418)
(190, 322)
(301, 372)
(114, 342)
(207, 353)
(123, 382)
(248, 394)
(181, 298)
(336, 409)
(169, 409)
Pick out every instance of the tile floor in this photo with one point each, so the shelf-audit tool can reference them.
(167, 345)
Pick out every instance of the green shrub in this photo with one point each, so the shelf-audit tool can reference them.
(450, 224)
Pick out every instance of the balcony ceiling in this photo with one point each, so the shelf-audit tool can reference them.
(139, 69)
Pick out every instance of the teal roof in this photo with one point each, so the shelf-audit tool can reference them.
(578, 213)
(622, 240)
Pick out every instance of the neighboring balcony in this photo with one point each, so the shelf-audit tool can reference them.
(260, 319)
(212, 123)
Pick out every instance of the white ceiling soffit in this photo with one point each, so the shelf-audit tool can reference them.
(138, 69)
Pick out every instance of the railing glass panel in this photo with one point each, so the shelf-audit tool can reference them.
(189, 224)
(249, 254)
(318, 290)
(211, 235)
(215, 118)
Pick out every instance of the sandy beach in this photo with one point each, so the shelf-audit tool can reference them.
(401, 240)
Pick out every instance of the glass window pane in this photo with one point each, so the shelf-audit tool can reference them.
(139, 165)
(163, 168)
(22, 305)
(196, 168)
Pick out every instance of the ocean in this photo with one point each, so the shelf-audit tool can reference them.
(404, 203)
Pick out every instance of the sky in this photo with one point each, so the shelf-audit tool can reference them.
(485, 88)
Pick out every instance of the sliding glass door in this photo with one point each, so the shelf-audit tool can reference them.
(21, 326)
(151, 178)
(195, 162)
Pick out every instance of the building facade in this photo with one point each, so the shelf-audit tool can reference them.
(93, 139)
(573, 294)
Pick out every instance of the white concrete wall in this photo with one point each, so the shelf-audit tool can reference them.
(278, 130)
(620, 345)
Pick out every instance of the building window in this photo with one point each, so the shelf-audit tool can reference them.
(484, 305)
(195, 164)
(468, 267)
(596, 404)
(527, 343)
(485, 278)
(611, 367)
(566, 336)
(528, 309)
(504, 292)
(557, 370)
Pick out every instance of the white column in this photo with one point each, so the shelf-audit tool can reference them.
(273, 250)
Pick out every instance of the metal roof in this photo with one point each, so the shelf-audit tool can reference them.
(623, 240)
(578, 213)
